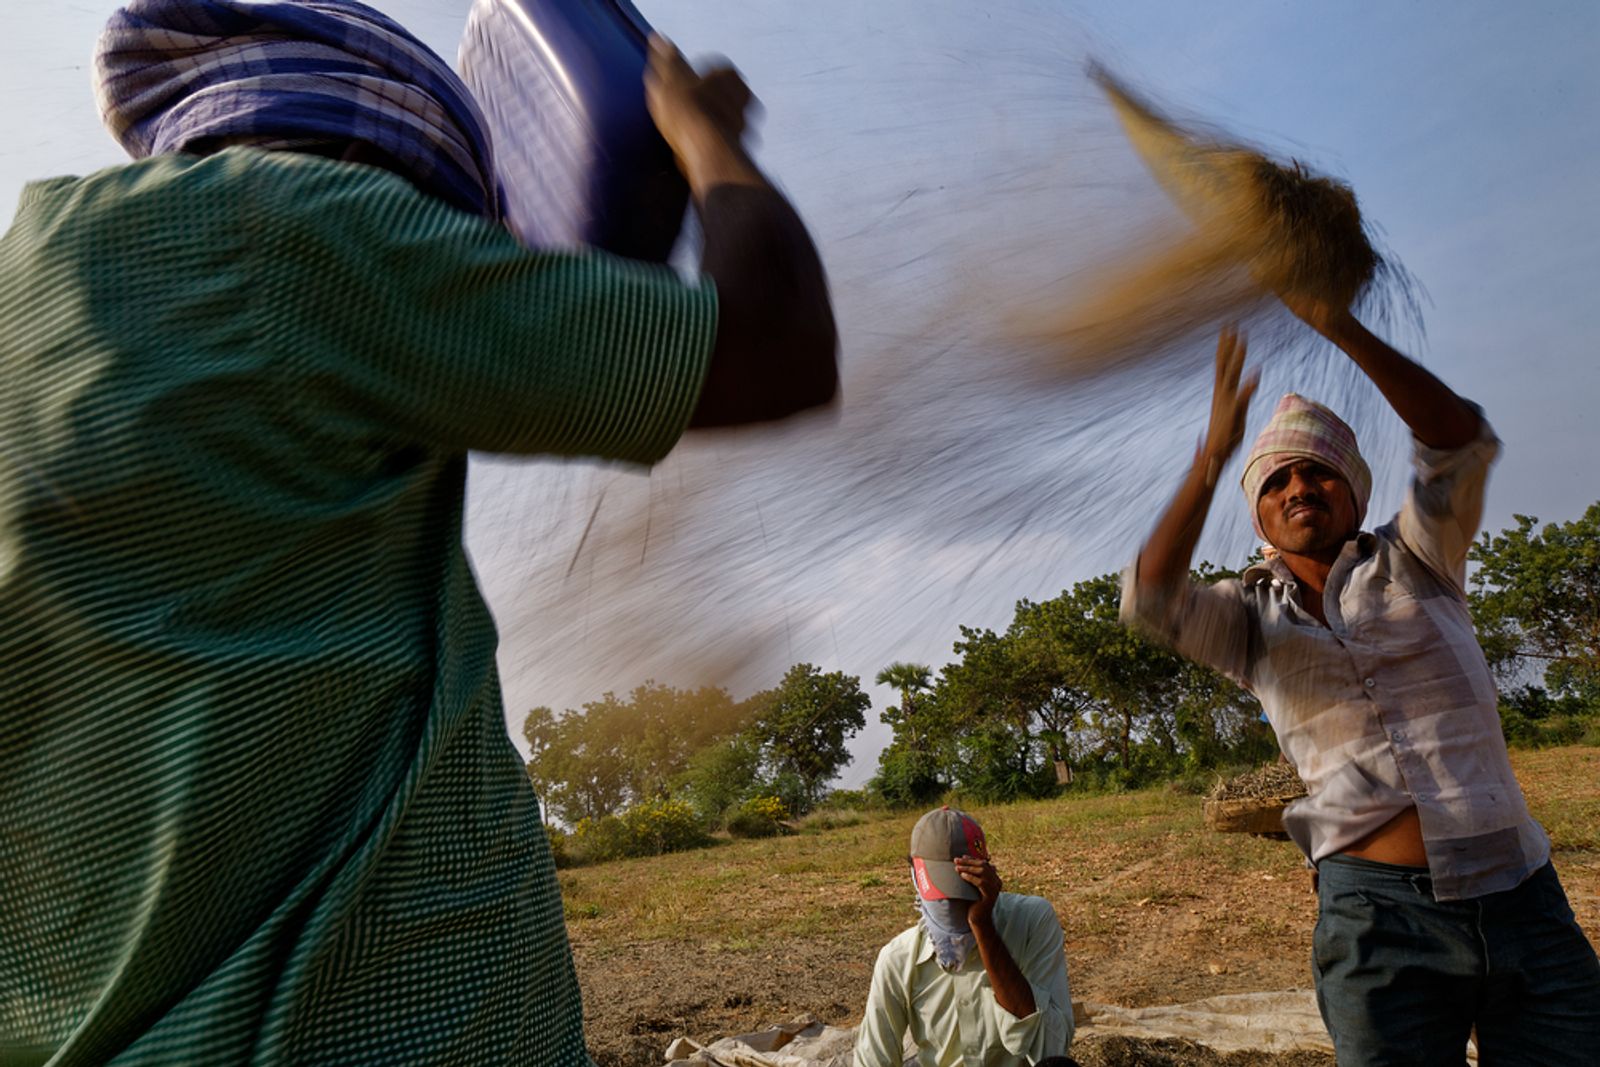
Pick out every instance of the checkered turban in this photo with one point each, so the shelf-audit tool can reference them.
(1304, 429)
(288, 73)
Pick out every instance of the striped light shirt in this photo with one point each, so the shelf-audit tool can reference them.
(1391, 704)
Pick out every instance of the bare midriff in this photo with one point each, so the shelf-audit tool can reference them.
(1398, 841)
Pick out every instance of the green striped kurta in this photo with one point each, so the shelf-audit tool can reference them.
(257, 805)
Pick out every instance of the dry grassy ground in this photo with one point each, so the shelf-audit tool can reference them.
(1157, 910)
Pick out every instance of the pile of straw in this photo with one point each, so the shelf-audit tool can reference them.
(1258, 231)
(1274, 781)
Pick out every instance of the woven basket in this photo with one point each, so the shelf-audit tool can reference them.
(1250, 815)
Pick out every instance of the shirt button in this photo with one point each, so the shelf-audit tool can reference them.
(1398, 735)
(1370, 683)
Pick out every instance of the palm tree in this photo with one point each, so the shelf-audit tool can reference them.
(910, 679)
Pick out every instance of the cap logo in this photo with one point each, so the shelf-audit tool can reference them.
(966, 838)
(976, 845)
(925, 887)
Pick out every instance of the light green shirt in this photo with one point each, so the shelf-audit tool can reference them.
(953, 1018)
(257, 804)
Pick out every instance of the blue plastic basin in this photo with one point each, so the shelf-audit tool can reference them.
(579, 159)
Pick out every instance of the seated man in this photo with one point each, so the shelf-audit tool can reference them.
(1005, 1004)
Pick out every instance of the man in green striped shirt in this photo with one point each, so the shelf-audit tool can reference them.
(257, 805)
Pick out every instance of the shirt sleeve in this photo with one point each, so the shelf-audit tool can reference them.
(1041, 956)
(400, 313)
(1205, 623)
(881, 1036)
(1444, 506)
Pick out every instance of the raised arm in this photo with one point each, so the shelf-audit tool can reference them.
(776, 344)
(1011, 989)
(1029, 977)
(1436, 415)
(1165, 558)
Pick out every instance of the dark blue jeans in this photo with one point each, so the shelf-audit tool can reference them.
(1402, 978)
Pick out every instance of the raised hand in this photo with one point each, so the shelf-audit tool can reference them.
(1230, 402)
(1011, 989)
(702, 117)
(1164, 560)
(1330, 320)
(979, 872)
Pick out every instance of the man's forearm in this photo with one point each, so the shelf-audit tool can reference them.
(776, 343)
(776, 346)
(1436, 415)
(710, 159)
(1012, 990)
(1165, 558)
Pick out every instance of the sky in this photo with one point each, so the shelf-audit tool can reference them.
(948, 156)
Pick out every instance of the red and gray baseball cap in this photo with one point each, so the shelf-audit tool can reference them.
(937, 839)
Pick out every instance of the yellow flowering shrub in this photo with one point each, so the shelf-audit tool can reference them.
(758, 817)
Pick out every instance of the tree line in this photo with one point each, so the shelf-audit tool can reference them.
(699, 749)
(1064, 698)
(1535, 596)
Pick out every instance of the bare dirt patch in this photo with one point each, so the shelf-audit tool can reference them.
(1115, 1051)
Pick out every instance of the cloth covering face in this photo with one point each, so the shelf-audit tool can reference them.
(944, 923)
(1304, 429)
(280, 74)
(240, 390)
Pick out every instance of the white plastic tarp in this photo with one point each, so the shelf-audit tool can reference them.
(1286, 1021)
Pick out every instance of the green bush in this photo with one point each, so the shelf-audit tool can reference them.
(559, 840)
(1098, 778)
(598, 840)
(646, 829)
(906, 778)
(789, 790)
(1531, 718)
(758, 817)
(1194, 783)
(719, 777)
(996, 770)
(824, 819)
(856, 800)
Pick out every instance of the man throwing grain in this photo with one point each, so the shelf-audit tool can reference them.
(981, 979)
(1440, 910)
(240, 380)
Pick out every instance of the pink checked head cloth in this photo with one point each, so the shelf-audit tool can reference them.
(1304, 429)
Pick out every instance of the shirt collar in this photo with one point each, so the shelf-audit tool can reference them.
(925, 953)
(1274, 566)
